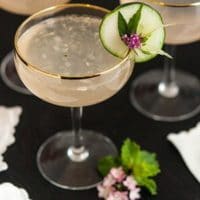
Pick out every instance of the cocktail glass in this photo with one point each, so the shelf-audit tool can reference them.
(22, 7)
(59, 57)
(171, 95)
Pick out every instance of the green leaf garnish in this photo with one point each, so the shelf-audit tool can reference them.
(144, 39)
(134, 21)
(142, 164)
(159, 52)
(163, 53)
(122, 25)
(132, 55)
(146, 52)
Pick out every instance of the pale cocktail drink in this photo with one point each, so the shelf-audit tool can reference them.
(69, 46)
(60, 58)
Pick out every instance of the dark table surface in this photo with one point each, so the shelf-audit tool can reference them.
(114, 117)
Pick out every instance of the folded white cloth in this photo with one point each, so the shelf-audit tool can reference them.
(188, 145)
(9, 118)
(10, 192)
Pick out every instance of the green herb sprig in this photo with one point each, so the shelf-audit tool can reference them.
(142, 164)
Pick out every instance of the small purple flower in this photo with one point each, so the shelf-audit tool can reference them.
(132, 41)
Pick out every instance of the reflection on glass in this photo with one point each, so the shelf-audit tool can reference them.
(170, 95)
(59, 57)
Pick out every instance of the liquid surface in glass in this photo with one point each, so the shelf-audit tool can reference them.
(67, 45)
(70, 46)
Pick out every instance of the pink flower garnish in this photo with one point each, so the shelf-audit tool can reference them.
(109, 180)
(118, 173)
(130, 183)
(134, 194)
(117, 185)
(132, 41)
(104, 192)
(117, 195)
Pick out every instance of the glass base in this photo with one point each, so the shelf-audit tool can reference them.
(10, 76)
(145, 95)
(54, 163)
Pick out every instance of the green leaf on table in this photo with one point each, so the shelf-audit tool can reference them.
(148, 183)
(134, 21)
(142, 164)
(122, 25)
(105, 164)
(129, 151)
(145, 167)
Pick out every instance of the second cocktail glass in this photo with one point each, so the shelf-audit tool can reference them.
(170, 94)
(59, 57)
(22, 7)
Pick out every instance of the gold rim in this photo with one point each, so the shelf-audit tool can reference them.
(54, 75)
(162, 3)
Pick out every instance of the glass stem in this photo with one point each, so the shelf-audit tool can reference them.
(76, 114)
(77, 152)
(168, 87)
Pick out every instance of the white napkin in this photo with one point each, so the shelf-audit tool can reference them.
(10, 192)
(9, 118)
(188, 145)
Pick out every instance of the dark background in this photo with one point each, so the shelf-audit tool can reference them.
(114, 117)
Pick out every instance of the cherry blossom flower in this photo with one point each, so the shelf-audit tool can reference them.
(117, 185)
(118, 173)
(117, 195)
(130, 183)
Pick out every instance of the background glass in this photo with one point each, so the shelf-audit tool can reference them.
(171, 95)
(22, 7)
(69, 159)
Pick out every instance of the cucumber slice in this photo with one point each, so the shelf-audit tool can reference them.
(150, 24)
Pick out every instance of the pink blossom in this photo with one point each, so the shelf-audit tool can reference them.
(103, 192)
(130, 183)
(109, 180)
(134, 194)
(117, 195)
(117, 185)
(118, 173)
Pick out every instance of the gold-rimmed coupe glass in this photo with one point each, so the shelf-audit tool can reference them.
(59, 57)
(171, 95)
(21, 7)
